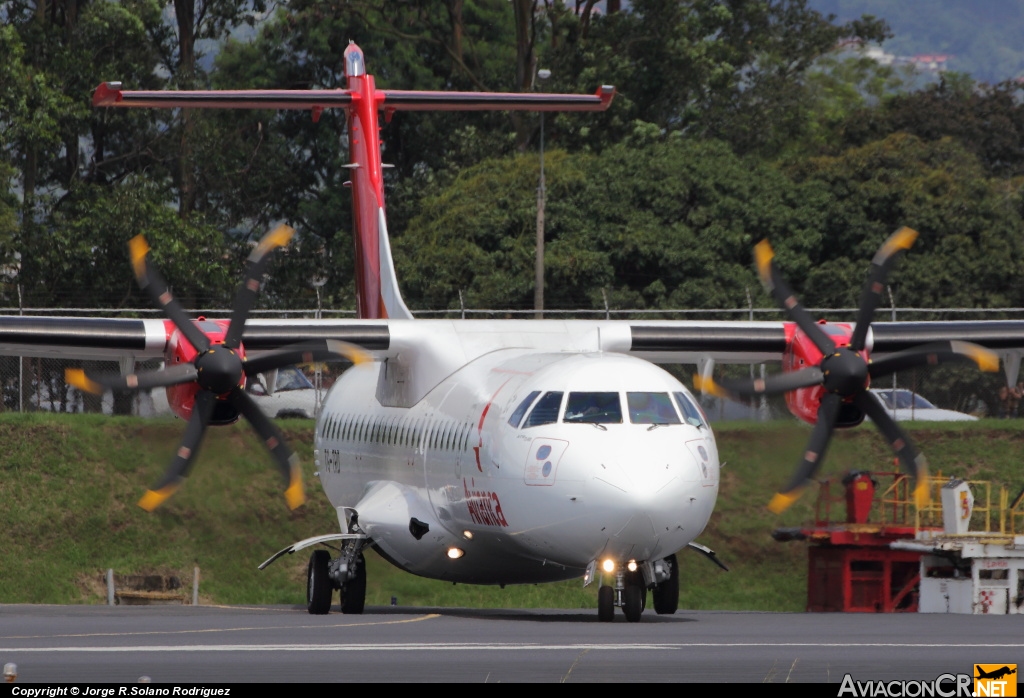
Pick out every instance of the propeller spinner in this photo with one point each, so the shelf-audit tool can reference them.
(844, 372)
(219, 370)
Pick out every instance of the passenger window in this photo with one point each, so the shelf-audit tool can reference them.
(593, 408)
(651, 408)
(517, 416)
(545, 411)
(690, 409)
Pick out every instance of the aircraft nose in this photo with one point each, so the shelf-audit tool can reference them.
(645, 504)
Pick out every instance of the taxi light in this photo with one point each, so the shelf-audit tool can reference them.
(455, 553)
(468, 535)
(608, 566)
(631, 566)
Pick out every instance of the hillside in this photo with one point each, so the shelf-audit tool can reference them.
(981, 39)
(68, 486)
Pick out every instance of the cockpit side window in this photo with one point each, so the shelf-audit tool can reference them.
(690, 409)
(517, 416)
(545, 411)
(593, 408)
(651, 408)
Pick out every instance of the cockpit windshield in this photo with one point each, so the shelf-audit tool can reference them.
(545, 411)
(593, 408)
(517, 416)
(692, 412)
(651, 408)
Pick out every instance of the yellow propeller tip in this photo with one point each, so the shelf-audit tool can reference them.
(77, 378)
(903, 238)
(294, 496)
(709, 386)
(154, 498)
(782, 501)
(986, 360)
(138, 248)
(357, 355)
(278, 237)
(922, 493)
(763, 256)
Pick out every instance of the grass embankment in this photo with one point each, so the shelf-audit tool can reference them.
(68, 487)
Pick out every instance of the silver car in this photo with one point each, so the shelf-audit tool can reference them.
(294, 395)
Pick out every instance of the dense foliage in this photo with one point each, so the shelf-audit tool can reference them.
(735, 120)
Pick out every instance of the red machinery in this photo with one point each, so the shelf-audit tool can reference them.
(850, 564)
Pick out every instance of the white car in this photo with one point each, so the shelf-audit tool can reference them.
(906, 405)
(294, 395)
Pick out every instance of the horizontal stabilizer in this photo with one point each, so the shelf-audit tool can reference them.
(417, 100)
(110, 94)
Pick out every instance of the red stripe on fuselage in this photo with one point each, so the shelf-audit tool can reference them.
(480, 425)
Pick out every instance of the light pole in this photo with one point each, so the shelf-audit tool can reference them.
(538, 272)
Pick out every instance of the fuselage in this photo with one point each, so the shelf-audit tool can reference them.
(532, 464)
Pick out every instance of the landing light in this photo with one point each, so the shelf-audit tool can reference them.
(468, 535)
(455, 553)
(631, 565)
(608, 566)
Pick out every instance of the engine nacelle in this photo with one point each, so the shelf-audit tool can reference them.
(800, 353)
(182, 397)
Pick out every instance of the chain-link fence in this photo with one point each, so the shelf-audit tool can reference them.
(37, 384)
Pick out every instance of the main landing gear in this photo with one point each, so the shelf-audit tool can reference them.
(347, 572)
(630, 590)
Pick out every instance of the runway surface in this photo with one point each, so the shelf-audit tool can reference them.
(216, 644)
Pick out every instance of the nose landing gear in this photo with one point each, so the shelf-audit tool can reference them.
(630, 589)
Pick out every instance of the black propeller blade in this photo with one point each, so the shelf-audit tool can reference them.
(218, 369)
(844, 373)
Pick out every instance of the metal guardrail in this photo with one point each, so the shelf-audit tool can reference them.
(607, 313)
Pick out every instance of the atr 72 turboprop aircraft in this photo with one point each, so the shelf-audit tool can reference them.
(495, 452)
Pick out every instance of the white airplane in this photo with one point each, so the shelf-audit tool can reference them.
(494, 452)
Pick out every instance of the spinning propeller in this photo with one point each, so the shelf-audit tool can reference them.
(844, 372)
(219, 369)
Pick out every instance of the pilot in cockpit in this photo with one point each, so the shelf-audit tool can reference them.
(651, 408)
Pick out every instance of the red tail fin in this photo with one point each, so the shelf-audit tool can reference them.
(376, 286)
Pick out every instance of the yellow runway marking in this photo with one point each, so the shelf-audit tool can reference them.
(577, 661)
(429, 616)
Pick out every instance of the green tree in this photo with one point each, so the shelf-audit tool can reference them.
(654, 222)
(735, 71)
(988, 120)
(969, 253)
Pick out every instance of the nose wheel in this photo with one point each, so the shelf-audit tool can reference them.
(633, 602)
(629, 593)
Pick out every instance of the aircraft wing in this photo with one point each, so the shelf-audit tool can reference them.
(82, 338)
(669, 341)
(741, 342)
(116, 338)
